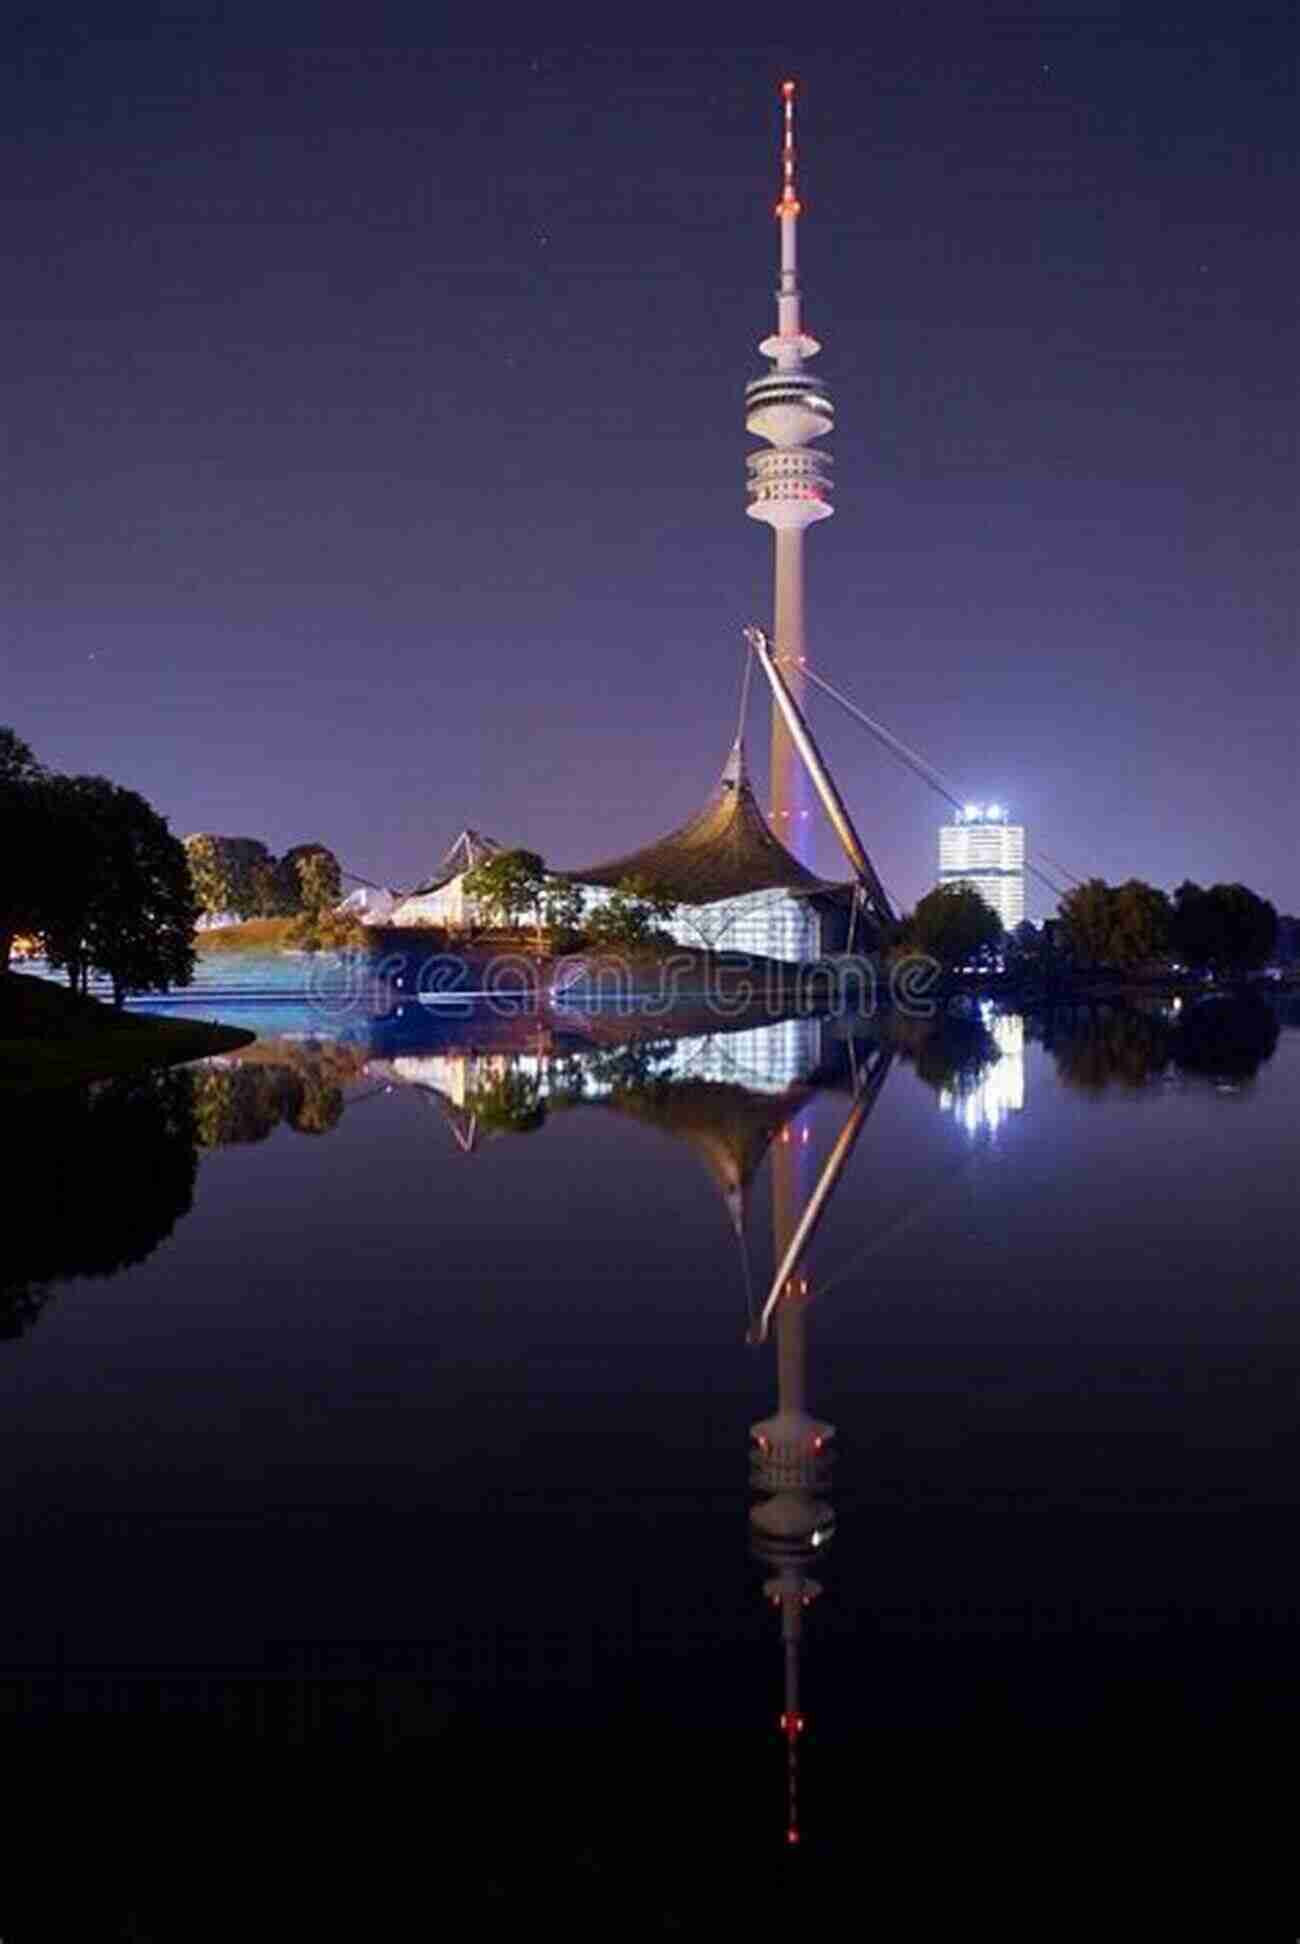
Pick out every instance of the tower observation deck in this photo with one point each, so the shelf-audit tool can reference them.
(789, 487)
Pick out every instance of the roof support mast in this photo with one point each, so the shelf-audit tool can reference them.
(877, 898)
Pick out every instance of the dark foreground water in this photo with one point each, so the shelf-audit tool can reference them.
(380, 1507)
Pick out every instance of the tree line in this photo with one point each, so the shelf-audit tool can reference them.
(1224, 929)
(240, 877)
(93, 871)
(515, 884)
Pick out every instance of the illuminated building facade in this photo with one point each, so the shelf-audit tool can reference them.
(982, 849)
(737, 887)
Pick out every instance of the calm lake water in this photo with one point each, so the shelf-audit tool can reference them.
(376, 1412)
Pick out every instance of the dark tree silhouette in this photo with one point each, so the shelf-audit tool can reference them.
(23, 863)
(1227, 929)
(122, 901)
(100, 1178)
(1227, 1039)
(953, 925)
(951, 1054)
(1097, 1047)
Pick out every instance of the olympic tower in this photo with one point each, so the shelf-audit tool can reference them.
(789, 486)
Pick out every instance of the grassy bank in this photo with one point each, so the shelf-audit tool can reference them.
(49, 1037)
(254, 935)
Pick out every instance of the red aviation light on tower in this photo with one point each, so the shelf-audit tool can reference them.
(789, 204)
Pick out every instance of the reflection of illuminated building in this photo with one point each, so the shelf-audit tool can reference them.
(998, 1089)
(763, 1059)
(766, 1058)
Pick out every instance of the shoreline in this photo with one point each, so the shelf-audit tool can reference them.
(52, 1040)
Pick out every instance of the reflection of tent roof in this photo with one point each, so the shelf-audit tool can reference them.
(727, 1126)
(469, 850)
(725, 851)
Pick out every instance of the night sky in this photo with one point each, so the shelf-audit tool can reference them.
(377, 451)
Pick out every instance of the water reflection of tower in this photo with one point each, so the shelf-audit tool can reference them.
(791, 1451)
(790, 1466)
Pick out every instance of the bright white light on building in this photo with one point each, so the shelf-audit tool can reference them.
(983, 850)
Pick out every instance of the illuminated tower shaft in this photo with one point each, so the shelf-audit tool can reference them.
(789, 486)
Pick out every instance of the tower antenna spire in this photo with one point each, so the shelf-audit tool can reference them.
(789, 203)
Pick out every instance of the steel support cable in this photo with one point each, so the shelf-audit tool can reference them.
(920, 767)
(746, 677)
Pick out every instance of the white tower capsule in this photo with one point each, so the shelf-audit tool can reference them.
(789, 486)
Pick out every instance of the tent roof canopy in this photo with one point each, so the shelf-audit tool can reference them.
(726, 850)
(468, 851)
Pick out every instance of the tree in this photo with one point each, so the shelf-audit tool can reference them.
(24, 860)
(1028, 951)
(564, 906)
(266, 898)
(506, 885)
(18, 765)
(320, 882)
(632, 914)
(124, 904)
(309, 878)
(232, 874)
(73, 843)
(954, 925)
(1086, 917)
(1225, 929)
(1140, 921)
(327, 929)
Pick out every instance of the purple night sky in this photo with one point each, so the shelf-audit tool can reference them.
(377, 454)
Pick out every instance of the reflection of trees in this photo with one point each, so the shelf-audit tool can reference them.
(510, 1103)
(234, 1104)
(638, 1067)
(1228, 1039)
(277, 1082)
(951, 1054)
(1219, 1039)
(99, 1179)
(1101, 1047)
